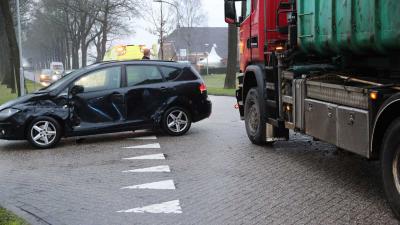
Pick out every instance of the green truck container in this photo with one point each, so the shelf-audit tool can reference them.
(361, 27)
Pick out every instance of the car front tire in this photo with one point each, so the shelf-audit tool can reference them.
(390, 164)
(44, 133)
(177, 121)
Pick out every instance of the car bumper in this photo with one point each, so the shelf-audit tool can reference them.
(203, 110)
(11, 131)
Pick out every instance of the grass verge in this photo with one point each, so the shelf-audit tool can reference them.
(8, 218)
(6, 95)
(215, 85)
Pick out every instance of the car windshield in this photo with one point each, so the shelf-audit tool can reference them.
(67, 78)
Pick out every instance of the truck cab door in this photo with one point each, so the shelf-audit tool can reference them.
(247, 41)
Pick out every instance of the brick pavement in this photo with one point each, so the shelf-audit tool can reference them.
(220, 179)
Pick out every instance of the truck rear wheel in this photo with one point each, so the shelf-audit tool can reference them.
(254, 116)
(390, 164)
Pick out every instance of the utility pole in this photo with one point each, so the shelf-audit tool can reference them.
(21, 67)
(162, 23)
(207, 54)
(162, 33)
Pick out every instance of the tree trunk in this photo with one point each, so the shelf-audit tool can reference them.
(75, 56)
(104, 40)
(84, 52)
(230, 79)
(12, 44)
(68, 53)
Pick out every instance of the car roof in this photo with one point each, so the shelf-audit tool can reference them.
(146, 62)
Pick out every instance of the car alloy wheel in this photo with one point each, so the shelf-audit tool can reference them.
(43, 133)
(177, 121)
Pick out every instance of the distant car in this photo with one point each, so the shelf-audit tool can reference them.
(109, 97)
(57, 68)
(47, 76)
(56, 71)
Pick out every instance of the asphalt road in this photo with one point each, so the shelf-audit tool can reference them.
(213, 175)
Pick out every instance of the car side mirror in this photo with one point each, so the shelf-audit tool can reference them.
(230, 12)
(77, 89)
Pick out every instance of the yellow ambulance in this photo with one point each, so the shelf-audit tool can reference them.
(124, 52)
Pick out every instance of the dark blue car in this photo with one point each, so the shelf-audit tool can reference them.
(106, 98)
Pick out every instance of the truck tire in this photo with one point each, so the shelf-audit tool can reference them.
(390, 164)
(254, 116)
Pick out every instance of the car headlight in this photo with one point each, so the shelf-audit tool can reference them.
(43, 76)
(54, 78)
(6, 113)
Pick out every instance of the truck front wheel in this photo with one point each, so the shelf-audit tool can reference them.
(390, 160)
(254, 116)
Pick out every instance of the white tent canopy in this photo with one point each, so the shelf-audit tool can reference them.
(214, 60)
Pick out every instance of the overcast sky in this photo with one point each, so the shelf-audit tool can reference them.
(215, 17)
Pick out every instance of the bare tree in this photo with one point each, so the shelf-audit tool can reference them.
(161, 20)
(65, 30)
(191, 15)
(230, 79)
(9, 43)
(111, 21)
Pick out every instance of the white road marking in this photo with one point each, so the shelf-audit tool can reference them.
(155, 169)
(166, 207)
(144, 138)
(148, 146)
(162, 185)
(154, 156)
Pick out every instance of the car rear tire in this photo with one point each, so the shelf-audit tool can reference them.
(390, 164)
(44, 133)
(177, 121)
(254, 118)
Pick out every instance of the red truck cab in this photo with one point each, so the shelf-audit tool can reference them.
(258, 29)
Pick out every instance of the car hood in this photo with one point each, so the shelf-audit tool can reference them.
(22, 100)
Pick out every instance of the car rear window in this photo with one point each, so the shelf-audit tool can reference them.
(187, 75)
(170, 73)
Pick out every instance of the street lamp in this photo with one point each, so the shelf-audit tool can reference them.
(162, 23)
(172, 4)
(21, 66)
(206, 45)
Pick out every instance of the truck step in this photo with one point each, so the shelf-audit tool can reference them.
(270, 86)
(270, 68)
(287, 99)
(288, 75)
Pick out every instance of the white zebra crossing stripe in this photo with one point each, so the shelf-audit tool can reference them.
(155, 169)
(153, 156)
(162, 185)
(148, 146)
(144, 138)
(165, 207)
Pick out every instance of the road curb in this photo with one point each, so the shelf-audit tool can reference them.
(29, 217)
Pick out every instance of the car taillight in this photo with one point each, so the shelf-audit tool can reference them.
(203, 88)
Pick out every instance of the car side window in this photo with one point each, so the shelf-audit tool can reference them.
(100, 80)
(170, 73)
(140, 75)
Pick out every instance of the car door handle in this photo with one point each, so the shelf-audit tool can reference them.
(164, 89)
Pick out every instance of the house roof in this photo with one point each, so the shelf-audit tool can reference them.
(194, 39)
